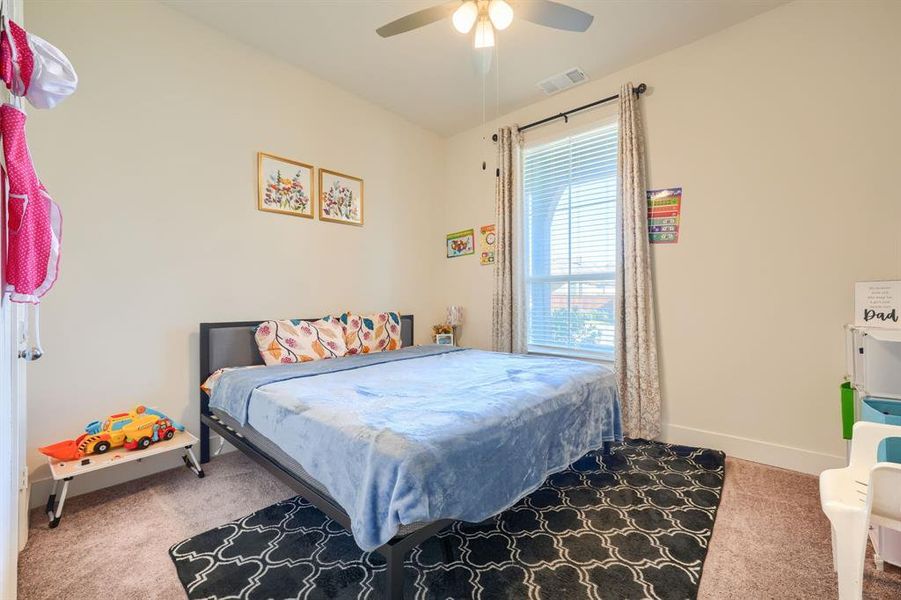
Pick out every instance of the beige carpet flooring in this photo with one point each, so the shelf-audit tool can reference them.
(770, 538)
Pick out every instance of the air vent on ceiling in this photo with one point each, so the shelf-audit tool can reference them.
(562, 81)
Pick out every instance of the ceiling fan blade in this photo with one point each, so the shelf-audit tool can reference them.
(420, 18)
(553, 14)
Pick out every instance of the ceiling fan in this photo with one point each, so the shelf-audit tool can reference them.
(490, 15)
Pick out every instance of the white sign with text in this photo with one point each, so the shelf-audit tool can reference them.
(877, 304)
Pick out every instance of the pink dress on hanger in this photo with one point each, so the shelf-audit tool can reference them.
(34, 219)
(35, 70)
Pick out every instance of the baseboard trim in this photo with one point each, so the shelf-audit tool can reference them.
(768, 453)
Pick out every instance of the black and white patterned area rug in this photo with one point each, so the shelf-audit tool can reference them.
(632, 524)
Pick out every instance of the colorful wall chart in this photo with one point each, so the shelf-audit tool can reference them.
(487, 239)
(664, 212)
(460, 243)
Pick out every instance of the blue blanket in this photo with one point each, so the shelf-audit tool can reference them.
(427, 433)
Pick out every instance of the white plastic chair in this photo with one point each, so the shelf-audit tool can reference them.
(862, 494)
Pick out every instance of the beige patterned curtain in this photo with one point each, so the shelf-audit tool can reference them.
(636, 333)
(507, 319)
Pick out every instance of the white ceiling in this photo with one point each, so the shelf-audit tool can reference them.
(428, 75)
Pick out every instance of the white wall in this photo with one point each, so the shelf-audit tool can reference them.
(153, 162)
(783, 132)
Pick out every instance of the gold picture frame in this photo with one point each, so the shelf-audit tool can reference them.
(340, 198)
(278, 193)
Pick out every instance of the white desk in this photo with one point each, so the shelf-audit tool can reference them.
(65, 471)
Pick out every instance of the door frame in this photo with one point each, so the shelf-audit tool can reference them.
(13, 463)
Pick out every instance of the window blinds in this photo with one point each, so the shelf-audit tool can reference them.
(569, 194)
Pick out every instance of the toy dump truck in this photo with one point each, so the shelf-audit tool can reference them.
(136, 429)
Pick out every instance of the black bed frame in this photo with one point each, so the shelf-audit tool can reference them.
(393, 551)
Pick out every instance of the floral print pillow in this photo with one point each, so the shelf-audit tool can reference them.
(282, 342)
(377, 332)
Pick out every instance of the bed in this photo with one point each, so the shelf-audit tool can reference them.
(397, 445)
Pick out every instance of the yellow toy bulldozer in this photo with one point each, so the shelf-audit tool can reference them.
(137, 428)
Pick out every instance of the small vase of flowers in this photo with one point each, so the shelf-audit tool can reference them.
(444, 334)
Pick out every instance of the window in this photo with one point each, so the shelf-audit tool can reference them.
(569, 214)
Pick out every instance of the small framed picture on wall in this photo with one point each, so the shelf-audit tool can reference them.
(444, 339)
(460, 243)
(284, 186)
(340, 198)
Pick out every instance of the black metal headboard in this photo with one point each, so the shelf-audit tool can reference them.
(232, 345)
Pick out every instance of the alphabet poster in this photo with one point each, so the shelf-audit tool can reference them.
(664, 213)
(487, 239)
(877, 304)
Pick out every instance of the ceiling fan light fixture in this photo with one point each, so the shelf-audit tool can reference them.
(500, 13)
(465, 16)
(484, 33)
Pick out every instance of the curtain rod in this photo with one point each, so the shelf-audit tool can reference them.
(637, 90)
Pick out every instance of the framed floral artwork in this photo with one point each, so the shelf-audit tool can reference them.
(460, 243)
(340, 198)
(285, 186)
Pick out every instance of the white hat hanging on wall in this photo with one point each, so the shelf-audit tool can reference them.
(33, 68)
